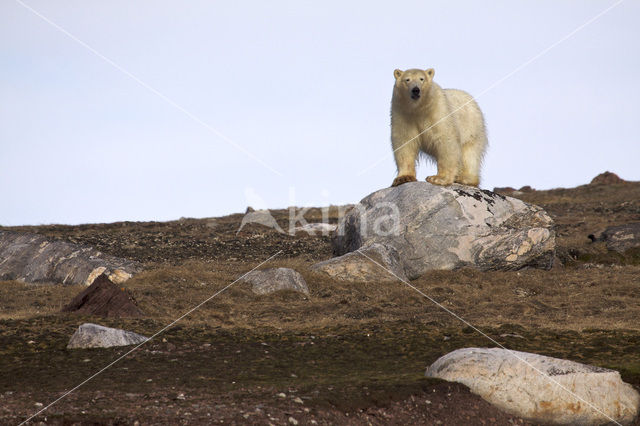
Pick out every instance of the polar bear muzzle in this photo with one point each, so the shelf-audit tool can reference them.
(415, 93)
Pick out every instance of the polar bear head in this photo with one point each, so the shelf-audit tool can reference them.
(413, 83)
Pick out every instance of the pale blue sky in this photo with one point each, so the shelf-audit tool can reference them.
(304, 86)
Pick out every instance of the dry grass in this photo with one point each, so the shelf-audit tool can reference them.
(20, 300)
(572, 298)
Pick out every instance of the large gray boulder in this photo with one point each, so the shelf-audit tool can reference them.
(33, 258)
(425, 227)
(90, 335)
(266, 281)
(541, 388)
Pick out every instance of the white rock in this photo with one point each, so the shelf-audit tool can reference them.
(541, 388)
(96, 336)
(315, 228)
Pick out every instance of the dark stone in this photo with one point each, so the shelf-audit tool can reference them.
(504, 190)
(103, 298)
(620, 238)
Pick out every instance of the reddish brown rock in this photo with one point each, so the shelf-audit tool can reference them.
(504, 190)
(607, 178)
(103, 298)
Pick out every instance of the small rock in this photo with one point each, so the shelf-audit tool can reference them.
(364, 265)
(96, 336)
(266, 281)
(620, 238)
(38, 404)
(281, 395)
(504, 190)
(181, 396)
(293, 421)
(512, 335)
(259, 217)
(526, 385)
(298, 400)
(314, 228)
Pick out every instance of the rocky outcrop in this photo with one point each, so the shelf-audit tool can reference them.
(607, 178)
(104, 299)
(424, 227)
(96, 336)
(541, 388)
(33, 258)
(266, 281)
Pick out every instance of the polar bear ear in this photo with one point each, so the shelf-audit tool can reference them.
(430, 72)
(397, 73)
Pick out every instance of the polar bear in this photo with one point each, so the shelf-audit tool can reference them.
(445, 124)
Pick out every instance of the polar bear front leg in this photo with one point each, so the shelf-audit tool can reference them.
(448, 159)
(406, 162)
(405, 151)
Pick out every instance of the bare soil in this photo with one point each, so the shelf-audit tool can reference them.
(347, 354)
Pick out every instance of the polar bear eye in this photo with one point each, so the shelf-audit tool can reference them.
(421, 78)
(407, 80)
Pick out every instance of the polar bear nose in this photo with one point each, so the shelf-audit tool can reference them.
(415, 92)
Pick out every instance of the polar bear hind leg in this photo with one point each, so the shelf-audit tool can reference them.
(472, 153)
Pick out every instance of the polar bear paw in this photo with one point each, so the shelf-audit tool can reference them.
(440, 180)
(403, 179)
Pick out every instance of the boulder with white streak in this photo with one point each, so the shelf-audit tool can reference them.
(541, 388)
(33, 258)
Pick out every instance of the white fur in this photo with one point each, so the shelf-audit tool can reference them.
(445, 124)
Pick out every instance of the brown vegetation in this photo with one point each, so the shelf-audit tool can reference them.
(352, 353)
